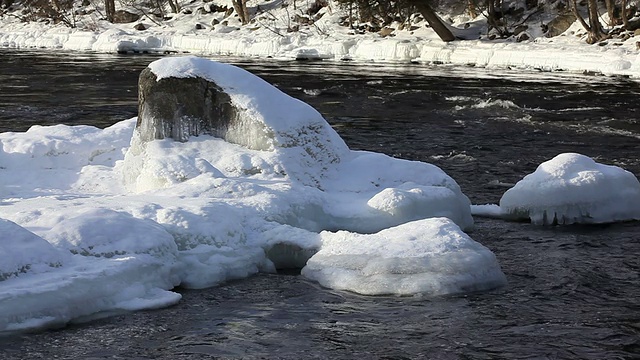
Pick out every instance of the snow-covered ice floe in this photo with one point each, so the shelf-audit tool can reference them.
(425, 256)
(94, 220)
(573, 188)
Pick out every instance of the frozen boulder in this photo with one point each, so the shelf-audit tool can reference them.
(203, 119)
(573, 188)
(181, 97)
(430, 256)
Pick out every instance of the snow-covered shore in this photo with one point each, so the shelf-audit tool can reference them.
(269, 36)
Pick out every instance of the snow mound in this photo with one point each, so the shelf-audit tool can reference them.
(23, 252)
(426, 256)
(573, 188)
(119, 263)
(85, 235)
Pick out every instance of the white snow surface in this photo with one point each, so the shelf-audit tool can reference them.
(269, 36)
(573, 188)
(94, 221)
(425, 256)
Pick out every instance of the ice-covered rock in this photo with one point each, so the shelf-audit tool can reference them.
(431, 256)
(238, 127)
(186, 96)
(573, 188)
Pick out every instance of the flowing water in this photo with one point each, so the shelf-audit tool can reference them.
(573, 292)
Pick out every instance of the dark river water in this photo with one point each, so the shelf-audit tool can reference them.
(573, 292)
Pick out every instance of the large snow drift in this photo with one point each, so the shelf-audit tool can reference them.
(91, 224)
(573, 188)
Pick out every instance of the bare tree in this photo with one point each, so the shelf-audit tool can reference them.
(433, 19)
(110, 9)
(619, 12)
(175, 6)
(596, 32)
(613, 19)
(240, 6)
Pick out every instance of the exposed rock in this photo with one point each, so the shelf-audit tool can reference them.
(213, 8)
(215, 22)
(634, 24)
(519, 29)
(386, 31)
(316, 6)
(199, 27)
(523, 37)
(304, 20)
(179, 108)
(124, 17)
(560, 24)
(140, 27)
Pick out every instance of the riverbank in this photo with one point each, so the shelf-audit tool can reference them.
(197, 29)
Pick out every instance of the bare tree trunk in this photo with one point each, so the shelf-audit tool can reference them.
(584, 24)
(110, 9)
(433, 19)
(625, 16)
(492, 16)
(240, 6)
(613, 20)
(175, 7)
(597, 31)
(245, 16)
(594, 28)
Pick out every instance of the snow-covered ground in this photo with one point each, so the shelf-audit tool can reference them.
(197, 30)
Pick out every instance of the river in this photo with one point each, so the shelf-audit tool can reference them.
(573, 292)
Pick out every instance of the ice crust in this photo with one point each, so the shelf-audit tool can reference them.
(573, 188)
(95, 221)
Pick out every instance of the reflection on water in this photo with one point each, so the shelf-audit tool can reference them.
(573, 291)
